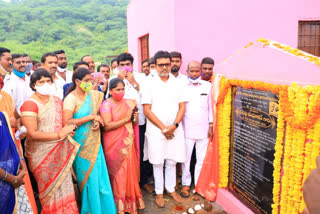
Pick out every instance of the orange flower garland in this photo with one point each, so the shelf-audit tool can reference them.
(299, 122)
(304, 122)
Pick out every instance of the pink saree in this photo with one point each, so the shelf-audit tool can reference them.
(122, 155)
(51, 161)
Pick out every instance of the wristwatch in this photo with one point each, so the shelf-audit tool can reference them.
(176, 124)
(135, 85)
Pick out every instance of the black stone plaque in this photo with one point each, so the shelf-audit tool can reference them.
(253, 137)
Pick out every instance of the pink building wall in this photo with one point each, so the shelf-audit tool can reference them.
(155, 18)
(214, 28)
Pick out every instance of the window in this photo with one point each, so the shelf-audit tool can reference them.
(309, 37)
(144, 41)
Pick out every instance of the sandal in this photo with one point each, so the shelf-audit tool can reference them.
(160, 200)
(196, 197)
(184, 192)
(174, 195)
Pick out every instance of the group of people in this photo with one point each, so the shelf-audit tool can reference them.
(87, 141)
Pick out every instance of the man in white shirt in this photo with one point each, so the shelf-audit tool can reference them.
(63, 74)
(145, 67)
(5, 63)
(88, 59)
(17, 84)
(197, 124)
(49, 61)
(176, 62)
(164, 105)
(133, 87)
(207, 64)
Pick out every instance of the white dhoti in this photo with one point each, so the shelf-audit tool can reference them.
(201, 148)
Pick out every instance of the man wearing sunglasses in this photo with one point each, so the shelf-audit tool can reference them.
(164, 105)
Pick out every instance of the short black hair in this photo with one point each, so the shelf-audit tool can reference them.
(15, 56)
(36, 75)
(124, 57)
(114, 82)
(207, 60)
(102, 65)
(44, 56)
(161, 54)
(175, 54)
(84, 57)
(77, 64)
(59, 52)
(3, 50)
(25, 55)
(146, 60)
(114, 60)
(34, 62)
(151, 61)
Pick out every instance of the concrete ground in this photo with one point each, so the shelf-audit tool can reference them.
(171, 207)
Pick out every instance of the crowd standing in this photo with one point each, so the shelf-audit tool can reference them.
(87, 141)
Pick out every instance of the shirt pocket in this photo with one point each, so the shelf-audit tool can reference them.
(203, 100)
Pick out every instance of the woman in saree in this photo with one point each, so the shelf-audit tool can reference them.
(9, 165)
(81, 107)
(49, 148)
(120, 148)
(25, 192)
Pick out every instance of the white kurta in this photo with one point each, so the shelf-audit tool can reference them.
(18, 88)
(164, 98)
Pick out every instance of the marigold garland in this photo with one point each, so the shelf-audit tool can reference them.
(304, 120)
(277, 162)
(291, 50)
(297, 144)
(224, 117)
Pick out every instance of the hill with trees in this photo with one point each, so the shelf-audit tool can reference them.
(80, 27)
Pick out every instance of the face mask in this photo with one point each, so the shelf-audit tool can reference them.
(116, 71)
(19, 74)
(118, 96)
(194, 81)
(153, 72)
(44, 89)
(29, 67)
(86, 87)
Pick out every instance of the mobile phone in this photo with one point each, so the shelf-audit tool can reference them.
(133, 112)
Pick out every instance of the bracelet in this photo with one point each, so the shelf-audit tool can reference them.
(21, 158)
(5, 176)
(15, 179)
(59, 137)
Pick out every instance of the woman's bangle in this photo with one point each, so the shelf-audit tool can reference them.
(21, 158)
(59, 137)
(5, 176)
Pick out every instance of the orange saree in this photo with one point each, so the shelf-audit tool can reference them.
(208, 180)
(121, 157)
(51, 161)
(7, 105)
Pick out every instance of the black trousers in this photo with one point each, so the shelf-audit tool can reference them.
(146, 170)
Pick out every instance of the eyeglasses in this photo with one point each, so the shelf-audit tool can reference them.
(162, 65)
